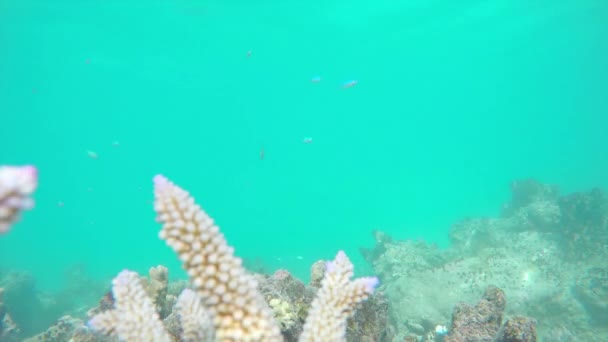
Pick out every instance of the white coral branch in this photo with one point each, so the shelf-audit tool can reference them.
(226, 301)
(227, 290)
(336, 301)
(134, 317)
(194, 319)
(16, 186)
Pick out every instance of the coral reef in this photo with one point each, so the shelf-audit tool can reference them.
(63, 330)
(134, 316)
(288, 297)
(157, 287)
(529, 192)
(33, 310)
(293, 301)
(546, 251)
(290, 301)
(591, 290)
(21, 299)
(17, 183)
(543, 246)
(483, 321)
(217, 275)
(223, 290)
(9, 331)
(518, 329)
(280, 292)
(336, 301)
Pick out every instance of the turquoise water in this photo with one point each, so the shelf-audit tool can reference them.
(454, 101)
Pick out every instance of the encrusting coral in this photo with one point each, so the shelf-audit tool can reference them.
(226, 304)
(17, 183)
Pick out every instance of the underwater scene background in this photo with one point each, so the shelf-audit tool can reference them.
(301, 128)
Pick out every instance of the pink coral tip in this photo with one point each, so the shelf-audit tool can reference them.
(160, 181)
(31, 172)
(370, 283)
(341, 256)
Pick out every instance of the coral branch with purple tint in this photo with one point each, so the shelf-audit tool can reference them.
(225, 294)
(17, 183)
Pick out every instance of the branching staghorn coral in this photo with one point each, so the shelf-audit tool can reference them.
(134, 317)
(194, 319)
(16, 186)
(336, 301)
(228, 291)
(223, 287)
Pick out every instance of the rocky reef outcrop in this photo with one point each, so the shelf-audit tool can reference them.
(546, 251)
(484, 321)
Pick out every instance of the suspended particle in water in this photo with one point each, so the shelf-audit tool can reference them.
(60, 204)
(307, 140)
(349, 84)
(248, 53)
(92, 155)
(115, 143)
(315, 79)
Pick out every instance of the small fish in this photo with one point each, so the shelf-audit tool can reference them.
(262, 153)
(315, 79)
(115, 144)
(349, 84)
(248, 53)
(307, 140)
(92, 155)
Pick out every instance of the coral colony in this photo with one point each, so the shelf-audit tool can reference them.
(225, 304)
(16, 186)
